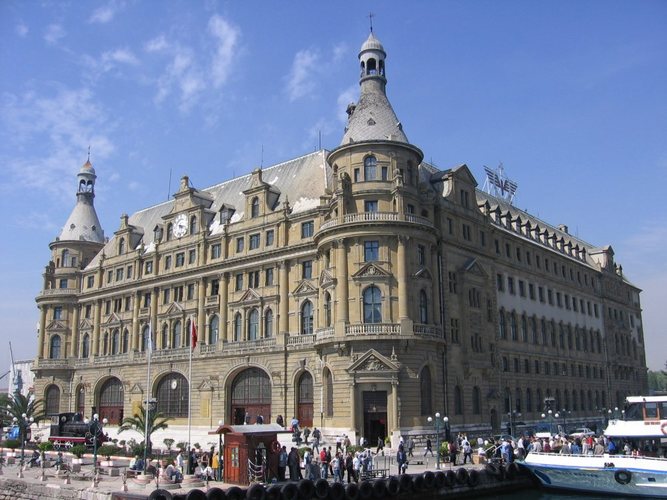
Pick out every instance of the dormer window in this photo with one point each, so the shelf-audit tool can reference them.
(157, 234)
(193, 225)
(121, 246)
(226, 214)
(254, 207)
(370, 168)
(170, 228)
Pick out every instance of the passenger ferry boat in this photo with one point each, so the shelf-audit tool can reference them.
(643, 474)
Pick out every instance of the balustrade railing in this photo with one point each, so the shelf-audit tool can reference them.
(375, 217)
(306, 339)
(373, 329)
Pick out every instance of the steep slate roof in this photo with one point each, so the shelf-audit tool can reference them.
(82, 224)
(301, 181)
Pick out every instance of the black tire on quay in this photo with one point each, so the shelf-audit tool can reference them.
(337, 491)
(365, 490)
(451, 478)
(306, 488)
(274, 492)
(195, 495)
(623, 476)
(160, 494)
(406, 483)
(492, 470)
(235, 493)
(352, 491)
(215, 494)
(321, 489)
(462, 475)
(512, 470)
(256, 492)
(440, 479)
(418, 483)
(393, 486)
(473, 478)
(179, 496)
(289, 492)
(379, 489)
(429, 480)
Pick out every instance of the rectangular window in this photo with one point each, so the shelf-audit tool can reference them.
(452, 281)
(119, 274)
(537, 262)
(371, 205)
(215, 287)
(465, 198)
(107, 307)
(87, 312)
(128, 303)
(371, 250)
(550, 297)
(531, 291)
(307, 270)
(566, 298)
(253, 279)
(117, 305)
(540, 293)
(522, 288)
(57, 312)
(239, 282)
(240, 244)
(595, 309)
(191, 291)
(268, 277)
(421, 255)
(254, 241)
(575, 306)
(510, 285)
(465, 229)
(129, 272)
(166, 296)
(508, 251)
(167, 262)
(410, 209)
(307, 229)
(109, 276)
(518, 254)
(215, 251)
(90, 282)
(537, 367)
(180, 259)
(454, 328)
(192, 256)
(356, 174)
(500, 282)
(149, 267)
(450, 225)
(559, 299)
(147, 299)
(496, 243)
(384, 171)
(269, 238)
(482, 238)
(62, 284)
(528, 258)
(178, 294)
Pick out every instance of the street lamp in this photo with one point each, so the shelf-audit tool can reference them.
(219, 451)
(550, 415)
(436, 422)
(95, 430)
(24, 424)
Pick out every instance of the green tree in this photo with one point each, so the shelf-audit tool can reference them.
(17, 405)
(156, 421)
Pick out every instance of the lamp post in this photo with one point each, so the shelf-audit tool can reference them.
(219, 451)
(24, 423)
(564, 413)
(436, 422)
(550, 415)
(96, 427)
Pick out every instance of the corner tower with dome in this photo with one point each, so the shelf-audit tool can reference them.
(359, 290)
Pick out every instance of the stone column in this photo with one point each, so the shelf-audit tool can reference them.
(353, 406)
(394, 405)
(154, 324)
(435, 292)
(74, 328)
(201, 311)
(42, 330)
(224, 297)
(135, 321)
(343, 306)
(284, 297)
(97, 312)
(402, 279)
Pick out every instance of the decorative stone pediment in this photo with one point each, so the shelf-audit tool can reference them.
(175, 309)
(373, 362)
(304, 288)
(56, 326)
(113, 319)
(85, 324)
(136, 389)
(205, 385)
(326, 279)
(474, 267)
(371, 271)
(423, 274)
(250, 296)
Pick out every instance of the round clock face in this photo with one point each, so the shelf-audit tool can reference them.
(174, 384)
(180, 226)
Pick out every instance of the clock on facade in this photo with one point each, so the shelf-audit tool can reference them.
(180, 226)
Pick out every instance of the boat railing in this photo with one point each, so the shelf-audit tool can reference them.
(604, 455)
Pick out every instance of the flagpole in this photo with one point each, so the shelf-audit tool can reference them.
(148, 393)
(190, 392)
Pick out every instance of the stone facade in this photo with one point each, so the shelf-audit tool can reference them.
(359, 289)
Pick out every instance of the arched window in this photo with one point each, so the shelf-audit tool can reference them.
(54, 351)
(501, 324)
(566, 398)
(305, 400)
(307, 318)
(111, 400)
(65, 258)
(85, 346)
(251, 395)
(238, 325)
(529, 400)
(458, 400)
(515, 335)
(268, 323)
(539, 401)
(370, 168)
(165, 337)
(115, 342)
(583, 400)
(372, 305)
(193, 225)
(517, 401)
(327, 309)
(476, 401)
(327, 380)
(253, 325)
(254, 207)
(425, 391)
(80, 402)
(213, 330)
(121, 246)
(126, 341)
(172, 395)
(423, 307)
(52, 400)
(176, 332)
(145, 337)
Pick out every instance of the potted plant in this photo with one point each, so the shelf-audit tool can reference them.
(78, 451)
(12, 444)
(168, 442)
(106, 451)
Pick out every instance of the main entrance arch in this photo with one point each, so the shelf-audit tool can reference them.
(305, 400)
(111, 401)
(251, 396)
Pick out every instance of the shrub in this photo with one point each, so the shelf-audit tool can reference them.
(12, 443)
(45, 446)
(78, 450)
(354, 448)
(302, 451)
(182, 445)
(107, 450)
(168, 442)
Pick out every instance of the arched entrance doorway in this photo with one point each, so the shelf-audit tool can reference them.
(375, 416)
(111, 401)
(251, 396)
(172, 395)
(52, 400)
(305, 400)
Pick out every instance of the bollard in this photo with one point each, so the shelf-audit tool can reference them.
(67, 479)
(124, 477)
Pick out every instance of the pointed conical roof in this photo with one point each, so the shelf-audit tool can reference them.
(83, 224)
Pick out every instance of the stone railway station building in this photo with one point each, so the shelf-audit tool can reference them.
(359, 289)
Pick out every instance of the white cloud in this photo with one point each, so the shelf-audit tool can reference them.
(226, 37)
(65, 124)
(157, 44)
(300, 82)
(54, 32)
(21, 29)
(124, 56)
(106, 13)
(339, 51)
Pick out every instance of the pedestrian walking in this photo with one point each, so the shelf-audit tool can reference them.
(428, 447)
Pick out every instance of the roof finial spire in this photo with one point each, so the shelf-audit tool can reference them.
(89, 150)
(370, 19)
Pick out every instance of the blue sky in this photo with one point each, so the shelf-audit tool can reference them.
(570, 96)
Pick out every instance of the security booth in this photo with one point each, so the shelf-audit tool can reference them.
(250, 452)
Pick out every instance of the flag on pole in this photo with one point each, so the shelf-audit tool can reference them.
(149, 340)
(193, 334)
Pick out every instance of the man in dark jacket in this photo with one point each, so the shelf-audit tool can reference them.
(294, 464)
(401, 459)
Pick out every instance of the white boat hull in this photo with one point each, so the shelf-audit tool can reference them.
(604, 474)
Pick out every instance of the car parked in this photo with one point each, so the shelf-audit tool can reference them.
(581, 432)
